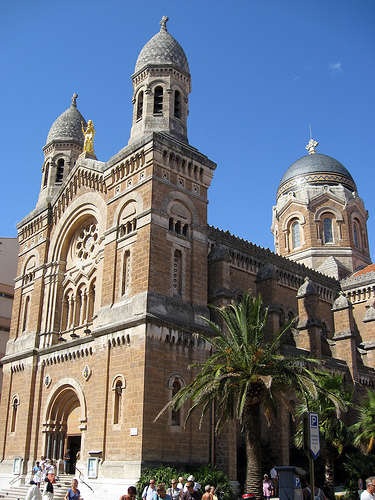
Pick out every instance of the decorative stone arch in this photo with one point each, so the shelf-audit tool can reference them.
(286, 228)
(133, 197)
(89, 204)
(116, 379)
(175, 196)
(332, 210)
(66, 395)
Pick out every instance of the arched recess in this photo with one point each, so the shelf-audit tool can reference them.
(66, 396)
(175, 383)
(175, 196)
(328, 209)
(88, 210)
(328, 222)
(290, 220)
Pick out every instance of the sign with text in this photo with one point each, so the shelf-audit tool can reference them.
(314, 437)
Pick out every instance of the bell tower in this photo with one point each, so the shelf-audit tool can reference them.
(63, 146)
(161, 84)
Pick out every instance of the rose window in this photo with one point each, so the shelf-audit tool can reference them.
(86, 241)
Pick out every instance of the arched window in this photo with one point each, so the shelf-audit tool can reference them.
(356, 234)
(46, 172)
(140, 105)
(327, 230)
(60, 170)
(177, 104)
(176, 414)
(15, 404)
(118, 402)
(158, 101)
(296, 235)
(26, 313)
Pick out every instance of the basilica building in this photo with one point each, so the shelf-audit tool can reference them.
(117, 265)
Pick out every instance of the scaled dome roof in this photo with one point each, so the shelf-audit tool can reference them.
(316, 169)
(68, 126)
(162, 49)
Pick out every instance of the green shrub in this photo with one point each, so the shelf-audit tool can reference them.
(203, 474)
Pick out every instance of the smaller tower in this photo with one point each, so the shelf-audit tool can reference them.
(319, 220)
(64, 144)
(161, 83)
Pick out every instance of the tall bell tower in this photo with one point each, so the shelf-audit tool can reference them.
(161, 84)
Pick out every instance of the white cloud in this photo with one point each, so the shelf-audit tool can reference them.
(334, 68)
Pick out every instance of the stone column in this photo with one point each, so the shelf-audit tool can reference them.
(344, 335)
(267, 286)
(309, 325)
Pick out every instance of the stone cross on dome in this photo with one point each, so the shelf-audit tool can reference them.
(311, 146)
(74, 99)
(163, 23)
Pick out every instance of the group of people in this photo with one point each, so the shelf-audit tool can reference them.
(44, 468)
(179, 490)
(34, 492)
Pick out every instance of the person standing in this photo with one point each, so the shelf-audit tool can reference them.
(48, 489)
(37, 471)
(160, 493)
(131, 495)
(148, 492)
(181, 483)
(275, 480)
(33, 493)
(73, 493)
(267, 487)
(174, 492)
(368, 493)
(207, 495)
(67, 462)
(190, 494)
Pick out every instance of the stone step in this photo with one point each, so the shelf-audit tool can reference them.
(18, 492)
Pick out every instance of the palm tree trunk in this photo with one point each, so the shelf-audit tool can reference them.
(330, 471)
(253, 482)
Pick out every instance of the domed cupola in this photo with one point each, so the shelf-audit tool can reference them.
(315, 169)
(161, 84)
(319, 220)
(64, 144)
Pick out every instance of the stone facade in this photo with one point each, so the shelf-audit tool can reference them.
(116, 269)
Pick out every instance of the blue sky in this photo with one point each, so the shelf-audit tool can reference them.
(262, 71)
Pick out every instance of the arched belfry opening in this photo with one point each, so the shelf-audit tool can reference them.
(64, 422)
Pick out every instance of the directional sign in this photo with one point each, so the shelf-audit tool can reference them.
(314, 437)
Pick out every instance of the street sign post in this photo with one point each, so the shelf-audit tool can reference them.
(314, 438)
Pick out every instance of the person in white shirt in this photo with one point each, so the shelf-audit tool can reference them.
(368, 493)
(148, 492)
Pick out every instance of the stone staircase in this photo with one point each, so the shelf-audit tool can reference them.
(18, 492)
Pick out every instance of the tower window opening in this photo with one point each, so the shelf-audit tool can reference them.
(15, 404)
(125, 273)
(26, 313)
(118, 402)
(140, 105)
(60, 170)
(327, 228)
(296, 235)
(177, 104)
(176, 414)
(355, 235)
(46, 172)
(158, 101)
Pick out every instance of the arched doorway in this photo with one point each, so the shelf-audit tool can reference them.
(64, 419)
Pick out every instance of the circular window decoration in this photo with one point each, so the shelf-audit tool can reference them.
(86, 241)
(86, 372)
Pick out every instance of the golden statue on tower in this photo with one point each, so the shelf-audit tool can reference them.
(89, 133)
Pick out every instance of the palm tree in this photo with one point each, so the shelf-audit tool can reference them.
(364, 429)
(243, 376)
(334, 433)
